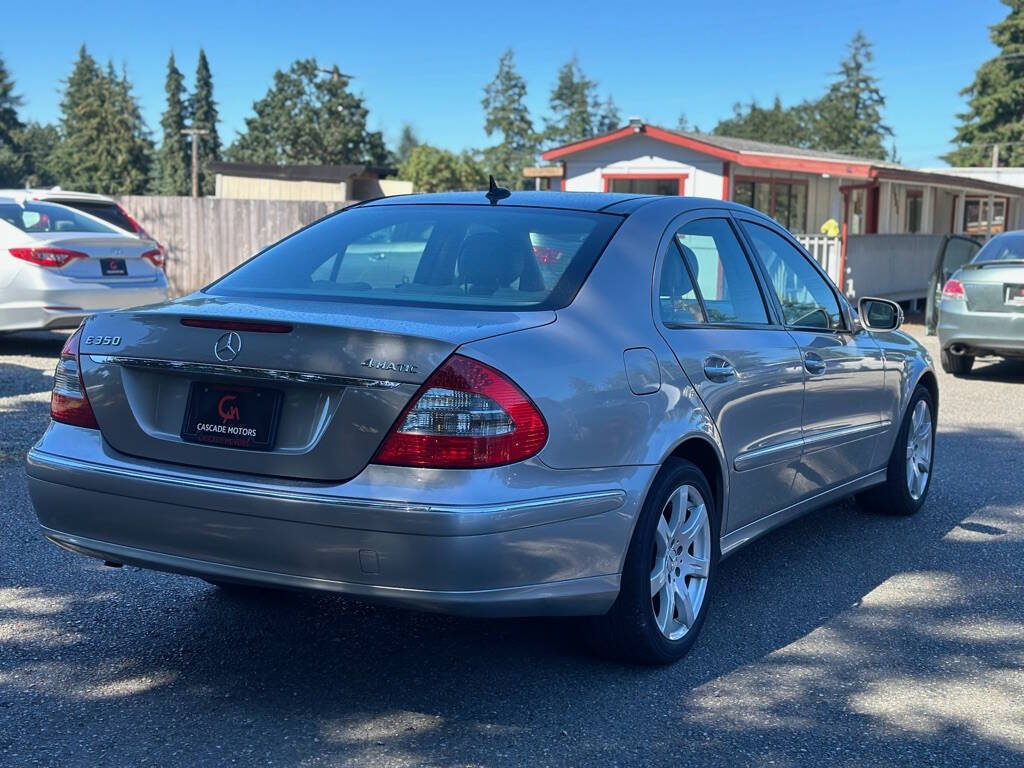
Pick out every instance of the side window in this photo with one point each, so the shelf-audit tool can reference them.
(806, 298)
(707, 269)
(676, 294)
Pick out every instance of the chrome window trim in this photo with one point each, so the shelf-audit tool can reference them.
(238, 371)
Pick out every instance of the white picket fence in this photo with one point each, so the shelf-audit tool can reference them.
(825, 251)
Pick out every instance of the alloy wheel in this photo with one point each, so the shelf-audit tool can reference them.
(919, 450)
(681, 563)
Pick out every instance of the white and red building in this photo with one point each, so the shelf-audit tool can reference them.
(800, 188)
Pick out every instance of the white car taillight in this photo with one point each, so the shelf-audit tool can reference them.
(69, 403)
(466, 416)
(47, 257)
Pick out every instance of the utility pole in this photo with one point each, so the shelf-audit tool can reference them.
(195, 133)
(995, 155)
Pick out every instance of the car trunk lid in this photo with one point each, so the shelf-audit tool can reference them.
(111, 259)
(994, 286)
(333, 378)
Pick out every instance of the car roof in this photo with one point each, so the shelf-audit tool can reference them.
(44, 195)
(613, 202)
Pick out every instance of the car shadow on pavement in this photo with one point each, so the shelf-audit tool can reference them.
(997, 370)
(845, 638)
(45, 344)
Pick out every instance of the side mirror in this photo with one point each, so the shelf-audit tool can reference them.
(879, 314)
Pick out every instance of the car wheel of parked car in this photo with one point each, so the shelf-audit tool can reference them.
(958, 365)
(669, 574)
(909, 474)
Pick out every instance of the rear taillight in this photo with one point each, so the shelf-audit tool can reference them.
(47, 257)
(466, 416)
(69, 404)
(134, 224)
(953, 289)
(156, 257)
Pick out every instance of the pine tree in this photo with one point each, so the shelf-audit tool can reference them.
(104, 144)
(848, 118)
(574, 106)
(506, 113)
(309, 117)
(173, 159)
(203, 113)
(11, 159)
(75, 160)
(407, 142)
(36, 142)
(995, 105)
(608, 119)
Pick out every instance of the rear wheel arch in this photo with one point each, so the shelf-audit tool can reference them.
(705, 456)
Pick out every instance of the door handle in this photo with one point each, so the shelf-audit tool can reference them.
(718, 369)
(814, 363)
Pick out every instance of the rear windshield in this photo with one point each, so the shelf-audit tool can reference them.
(109, 212)
(47, 217)
(486, 257)
(1008, 247)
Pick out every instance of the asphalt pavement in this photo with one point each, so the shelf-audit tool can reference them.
(845, 639)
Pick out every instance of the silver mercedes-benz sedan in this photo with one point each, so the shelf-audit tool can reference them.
(536, 403)
(59, 265)
(982, 307)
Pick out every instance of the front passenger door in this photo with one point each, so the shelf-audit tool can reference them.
(844, 395)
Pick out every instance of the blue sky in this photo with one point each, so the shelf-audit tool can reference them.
(426, 63)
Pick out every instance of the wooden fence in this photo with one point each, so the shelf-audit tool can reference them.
(205, 237)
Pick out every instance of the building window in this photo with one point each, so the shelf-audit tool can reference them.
(783, 200)
(976, 215)
(914, 203)
(645, 184)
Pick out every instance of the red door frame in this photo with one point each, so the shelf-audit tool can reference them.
(680, 177)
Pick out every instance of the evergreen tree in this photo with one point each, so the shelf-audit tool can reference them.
(608, 118)
(11, 159)
(776, 124)
(431, 169)
(104, 144)
(848, 118)
(309, 117)
(506, 114)
(407, 142)
(173, 159)
(75, 160)
(574, 106)
(995, 105)
(203, 113)
(36, 142)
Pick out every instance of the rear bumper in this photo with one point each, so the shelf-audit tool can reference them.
(67, 307)
(998, 333)
(554, 552)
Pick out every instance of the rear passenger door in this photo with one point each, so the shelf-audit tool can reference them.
(844, 395)
(711, 308)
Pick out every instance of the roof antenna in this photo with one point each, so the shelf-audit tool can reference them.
(496, 193)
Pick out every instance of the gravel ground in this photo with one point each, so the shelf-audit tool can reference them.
(845, 638)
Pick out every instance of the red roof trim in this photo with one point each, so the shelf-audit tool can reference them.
(745, 159)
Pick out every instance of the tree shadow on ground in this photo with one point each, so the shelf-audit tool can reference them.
(846, 638)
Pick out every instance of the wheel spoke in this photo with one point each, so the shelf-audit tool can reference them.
(695, 524)
(664, 535)
(684, 604)
(668, 609)
(694, 566)
(678, 514)
(658, 578)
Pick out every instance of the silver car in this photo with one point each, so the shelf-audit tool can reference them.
(982, 307)
(59, 265)
(545, 403)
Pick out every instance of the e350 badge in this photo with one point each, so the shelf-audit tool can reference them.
(103, 341)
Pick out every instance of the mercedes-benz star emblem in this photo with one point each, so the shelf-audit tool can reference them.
(227, 347)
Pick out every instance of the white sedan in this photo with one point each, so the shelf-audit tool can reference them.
(58, 265)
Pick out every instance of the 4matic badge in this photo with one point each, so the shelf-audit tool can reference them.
(387, 365)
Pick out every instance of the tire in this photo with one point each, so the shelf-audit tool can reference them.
(958, 365)
(631, 630)
(894, 496)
